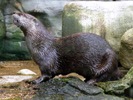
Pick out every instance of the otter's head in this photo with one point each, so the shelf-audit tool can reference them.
(24, 21)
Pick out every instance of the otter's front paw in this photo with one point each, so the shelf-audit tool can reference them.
(40, 79)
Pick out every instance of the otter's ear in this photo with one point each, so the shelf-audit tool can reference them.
(36, 23)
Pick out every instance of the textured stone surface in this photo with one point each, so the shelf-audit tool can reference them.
(70, 89)
(126, 49)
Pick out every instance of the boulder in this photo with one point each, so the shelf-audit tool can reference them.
(126, 49)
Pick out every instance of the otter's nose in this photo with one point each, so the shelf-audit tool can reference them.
(15, 19)
(15, 16)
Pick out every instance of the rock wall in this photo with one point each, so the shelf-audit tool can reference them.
(108, 19)
(12, 46)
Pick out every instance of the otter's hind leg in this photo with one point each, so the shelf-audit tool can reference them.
(107, 66)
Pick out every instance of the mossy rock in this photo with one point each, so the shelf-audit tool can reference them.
(14, 50)
(119, 86)
(14, 47)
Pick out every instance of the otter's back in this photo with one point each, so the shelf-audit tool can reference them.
(82, 50)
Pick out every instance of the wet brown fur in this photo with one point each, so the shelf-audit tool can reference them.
(84, 53)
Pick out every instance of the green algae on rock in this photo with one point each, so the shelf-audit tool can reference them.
(118, 87)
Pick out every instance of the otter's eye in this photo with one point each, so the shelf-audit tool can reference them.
(35, 21)
(17, 21)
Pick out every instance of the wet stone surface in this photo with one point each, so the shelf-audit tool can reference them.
(70, 89)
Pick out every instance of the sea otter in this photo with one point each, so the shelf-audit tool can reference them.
(87, 54)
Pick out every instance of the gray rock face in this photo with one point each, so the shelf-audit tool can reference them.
(70, 89)
(126, 49)
(11, 37)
